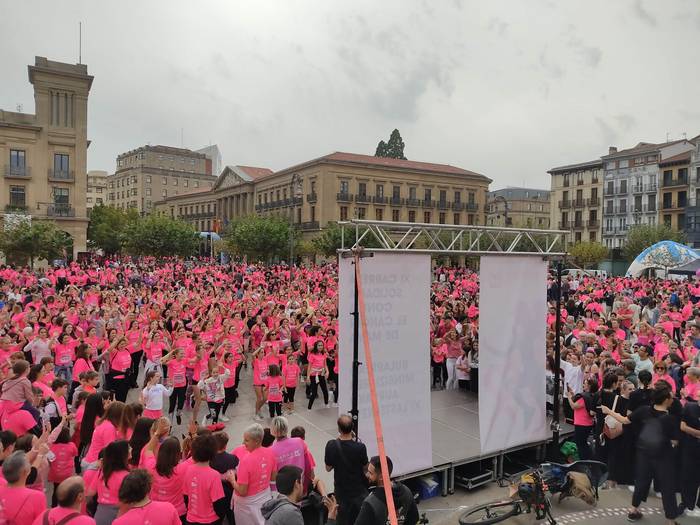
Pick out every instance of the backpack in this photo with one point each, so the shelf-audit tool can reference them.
(402, 504)
(651, 438)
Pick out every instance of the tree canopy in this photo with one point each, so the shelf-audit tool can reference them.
(392, 149)
(642, 236)
(160, 236)
(587, 254)
(107, 228)
(31, 240)
(260, 237)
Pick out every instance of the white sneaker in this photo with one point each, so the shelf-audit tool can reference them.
(223, 418)
(257, 417)
(334, 405)
(203, 423)
(657, 494)
(327, 405)
(695, 513)
(630, 488)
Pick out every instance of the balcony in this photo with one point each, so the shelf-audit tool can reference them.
(296, 201)
(650, 188)
(563, 205)
(594, 202)
(673, 205)
(428, 203)
(61, 176)
(60, 211)
(579, 203)
(16, 208)
(443, 205)
(17, 172)
(565, 225)
(472, 206)
(457, 206)
(593, 224)
(609, 191)
(413, 202)
(311, 197)
(578, 225)
(343, 197)
(670, 183)
(380, 199)
(396, 201)
(638, 188)
(362, 197)
(310, 225)
(622, 190)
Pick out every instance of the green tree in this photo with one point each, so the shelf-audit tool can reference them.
(160, 236)
(329, 241)
(587, 254)
(392, 149)
(260, 237)
(642, 236)
(107, 228)
(31, 240)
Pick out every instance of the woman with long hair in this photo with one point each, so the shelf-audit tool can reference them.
(317, 372)
(109, 428)
(115, 467)
(139, 439)
(119, 360)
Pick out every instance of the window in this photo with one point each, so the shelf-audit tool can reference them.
(98, 200)
(277, 194)
(174, 182)
(428, 194)
(623, 186)
(566, 179)
(380, 191)
(471, 197)
(111, 185)
(379, 213)
(396, 190)
(667, 220)
(682, 200)
(623, 206)
(88, 200)
(412, 193)
(128, 181)
(134, 191)
(443, 197)
(18, 196)
(456, 218)
(99, 189)
(196, 184)
(165, 181)
(148, 179)
(470, 219)
(186, 183)
(148, 192)
(579, 178)
(362, 189)
(458, 198)
(682, 175)
(441, 218)
(667, 200)
(411, 215)
(426, 217)
(17, 161)
(395, 215)
(361, 213)
(61, 163)
(61, 196)
(651, 203)
(164, 193)
(343, 213)
(344, 187)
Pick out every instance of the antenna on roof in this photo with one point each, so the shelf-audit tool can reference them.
(182, 137)
(80, 42)
(685, 136)
(667, 134)
(19, 108)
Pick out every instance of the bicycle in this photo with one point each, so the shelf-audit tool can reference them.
(531, 489)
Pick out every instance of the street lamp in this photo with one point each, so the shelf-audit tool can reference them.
(295, 191)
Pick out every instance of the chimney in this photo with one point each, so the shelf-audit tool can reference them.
(612, 149)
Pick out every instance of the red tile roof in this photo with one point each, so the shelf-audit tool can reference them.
(254, 172)
(685, 156)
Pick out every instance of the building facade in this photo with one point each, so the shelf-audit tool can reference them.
(693, 210)
(44, 155)
(673, 191)
(631, 187)
(213, 154)
(519, 208)
(575, 200)
(152, 173)
(342, 186)
(96, 189)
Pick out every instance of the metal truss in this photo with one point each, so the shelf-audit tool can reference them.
(450, 239)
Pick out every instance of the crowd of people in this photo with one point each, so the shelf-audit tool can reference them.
(103, 366)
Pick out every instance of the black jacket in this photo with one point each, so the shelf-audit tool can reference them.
(374, 511)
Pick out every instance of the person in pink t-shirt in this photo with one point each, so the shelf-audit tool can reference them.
(291, 373)
(19, 505)
(273, 389)
(63, 465)
(202, 484)
(70, 496)
(251, 482)
(317, 372)
(105, 485)
(291, 451)
(134, 495)
(168, 475)
(260, 373)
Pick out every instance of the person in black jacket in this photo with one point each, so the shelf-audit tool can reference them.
(374, 509)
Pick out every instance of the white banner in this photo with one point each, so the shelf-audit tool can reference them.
(512, 312)
(397, 302)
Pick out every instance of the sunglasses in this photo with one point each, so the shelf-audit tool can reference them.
(660, 368)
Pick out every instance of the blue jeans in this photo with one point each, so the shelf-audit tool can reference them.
(64, 372)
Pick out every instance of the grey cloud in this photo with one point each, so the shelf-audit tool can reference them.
(590, 55)
(498, 26)
(626, 121)
(609, 135)
(551, 67)
(641, 13)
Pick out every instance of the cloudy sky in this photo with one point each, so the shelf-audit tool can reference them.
(507, 88)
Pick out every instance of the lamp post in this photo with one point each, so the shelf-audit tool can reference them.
(295, 191)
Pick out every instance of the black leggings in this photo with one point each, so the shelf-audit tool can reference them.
(134, 370)
(214, 409)
(177, 398)
(581, 434)
(659, 469)
(120, 387)
(231, 394)
(439, 373)
(288, 394)
(275, 408)
(315, 382)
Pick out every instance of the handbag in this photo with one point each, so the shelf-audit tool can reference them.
(612, 428)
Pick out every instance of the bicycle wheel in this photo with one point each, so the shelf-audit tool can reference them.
(488, 513)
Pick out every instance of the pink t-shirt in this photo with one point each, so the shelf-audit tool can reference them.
(120, 361)
(153, 513)
(19, 422)
(103, 435)
(20, 505)
(81, 365)
(255, 470)
(108, 494)
(291, 375)
(63, 466)
(176, 370)
(293, 451)
(58, 513)
(274, 389)
(259, 371)
(317, 364)
(202, 486)
(168, 488)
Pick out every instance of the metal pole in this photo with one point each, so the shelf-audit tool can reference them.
(557, 364)
(354, 412)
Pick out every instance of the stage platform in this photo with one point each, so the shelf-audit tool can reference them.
(455, 425)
